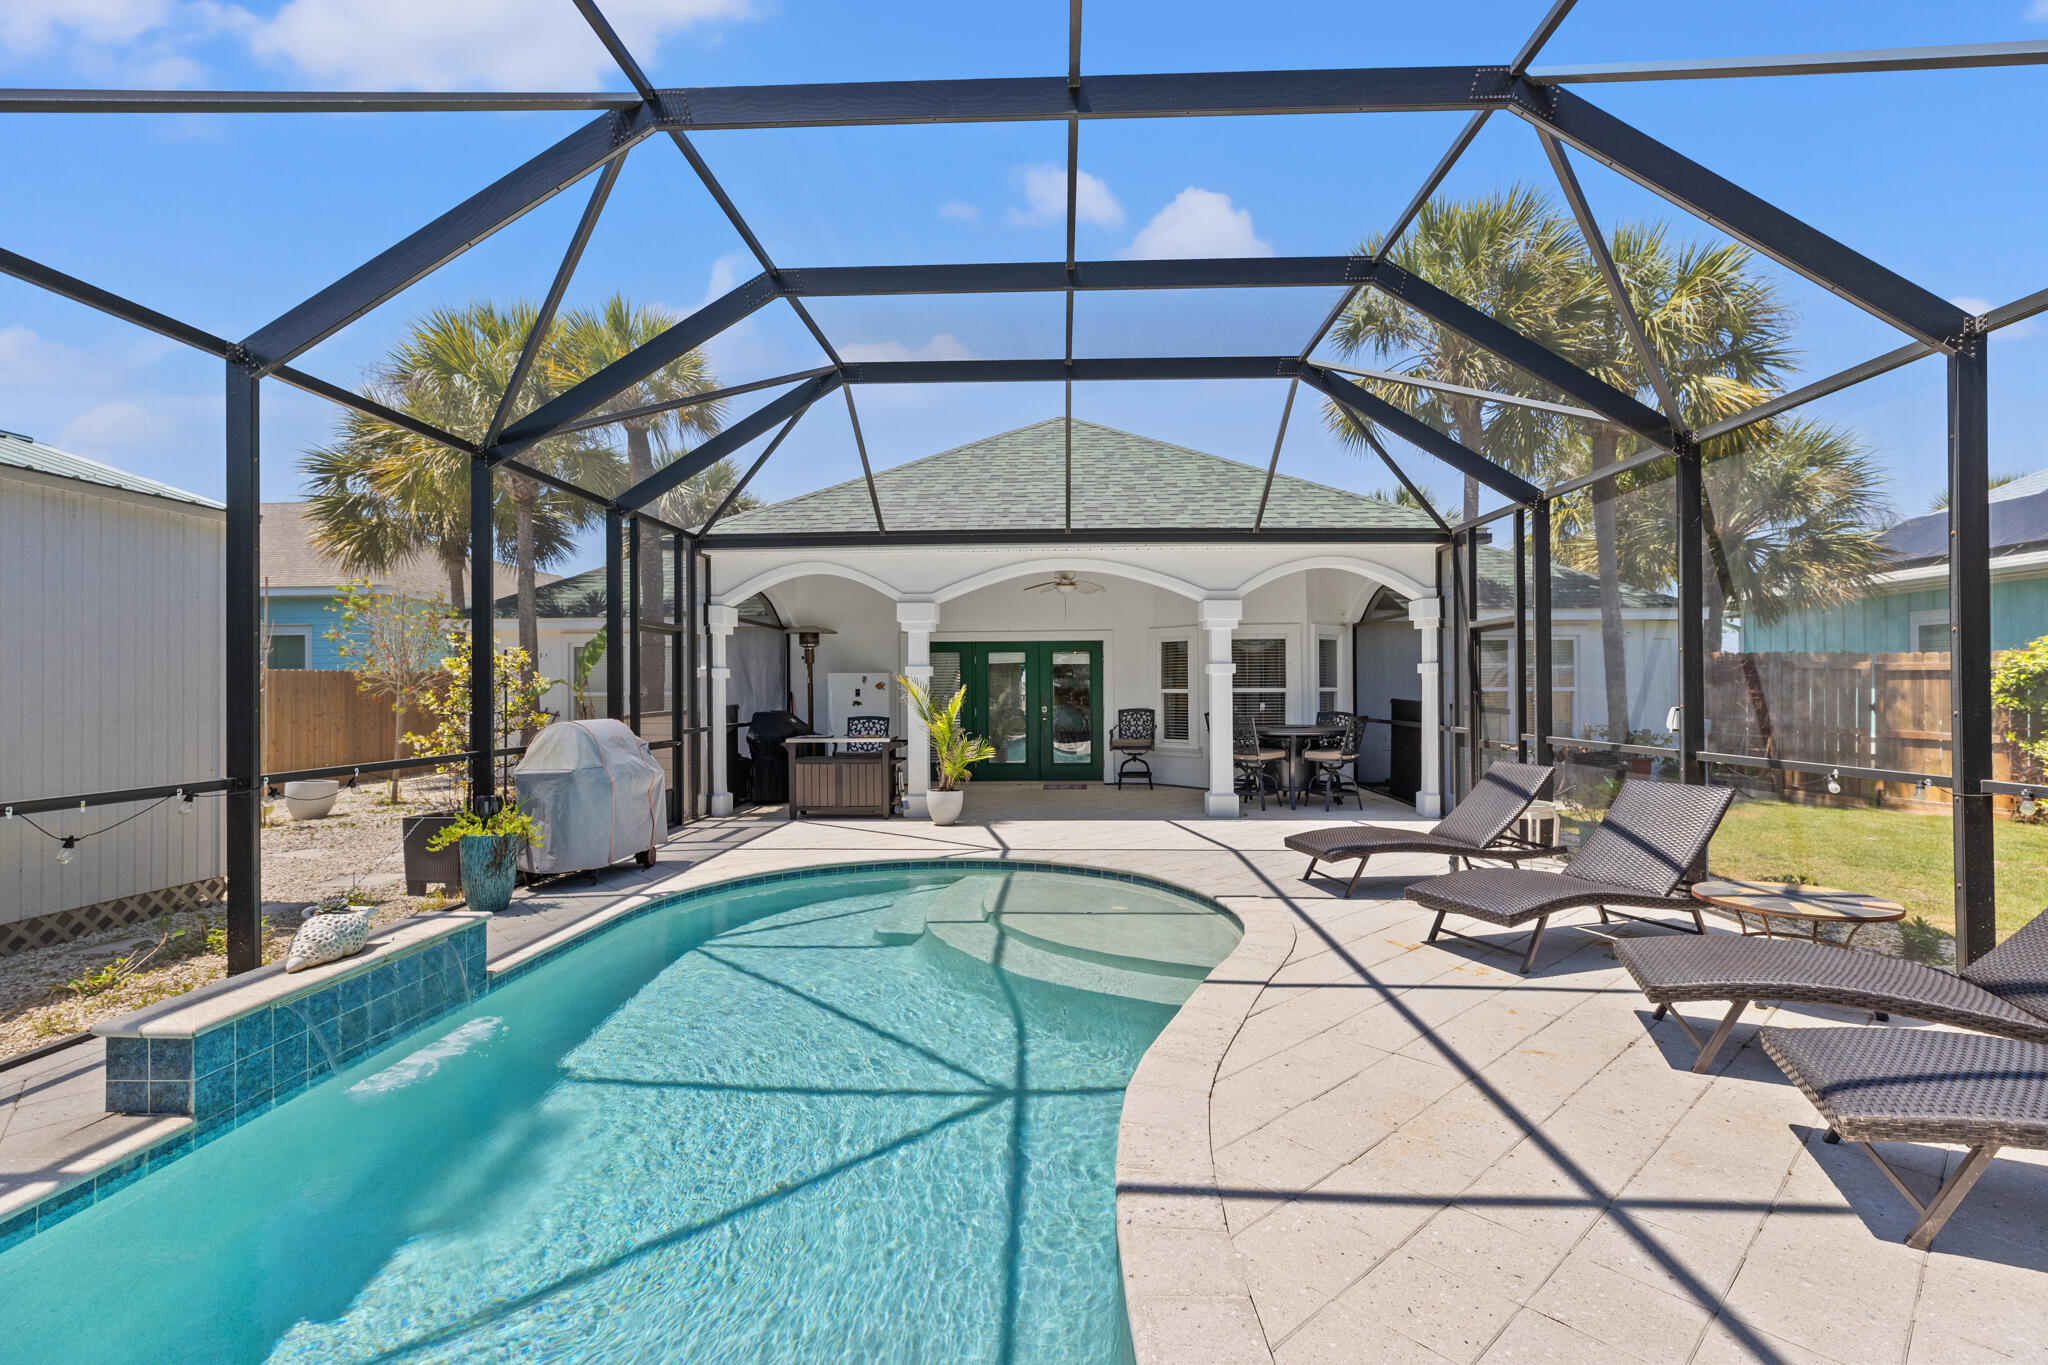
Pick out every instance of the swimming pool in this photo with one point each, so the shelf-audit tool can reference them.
(861, 1115)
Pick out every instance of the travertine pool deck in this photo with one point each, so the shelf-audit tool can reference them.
(1353, 1146)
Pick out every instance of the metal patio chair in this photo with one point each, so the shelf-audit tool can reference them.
(1331, 759)
(1137, 729)
(1652, 839)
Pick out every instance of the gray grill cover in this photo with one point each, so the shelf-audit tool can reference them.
(597, 792)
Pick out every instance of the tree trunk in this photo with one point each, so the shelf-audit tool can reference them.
(640, 458)
(1613, 663)
(525, 493)
(1471, 425)
(397, 742)
(457, 566)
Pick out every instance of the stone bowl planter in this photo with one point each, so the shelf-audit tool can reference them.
(490, 864)
(944, 806)
(311, 799)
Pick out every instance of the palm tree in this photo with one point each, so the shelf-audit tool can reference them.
(1721, 333)
(1511, 255)
(586, 340)
(365, 523)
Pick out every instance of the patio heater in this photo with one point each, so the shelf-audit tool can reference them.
(807, 639)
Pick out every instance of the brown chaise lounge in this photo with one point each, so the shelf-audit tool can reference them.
(1652, 838)
(1920, 1085)
(1476, 829)
(2004, 992)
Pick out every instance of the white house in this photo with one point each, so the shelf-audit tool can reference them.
(1152, 591)
(112, 670)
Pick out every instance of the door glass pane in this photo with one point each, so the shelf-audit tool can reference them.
(1493, 687)
(1007, 705)
(946, 680)
(1073, 707)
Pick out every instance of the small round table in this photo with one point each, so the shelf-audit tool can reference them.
(1811, 906)
(1294, 735)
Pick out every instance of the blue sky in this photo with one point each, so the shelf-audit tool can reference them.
(227, 221)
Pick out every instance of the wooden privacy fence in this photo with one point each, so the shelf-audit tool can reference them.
(1858, 710)
(318, 718)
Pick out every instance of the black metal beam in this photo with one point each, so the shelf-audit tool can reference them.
(614, 615)
(307, 101)
(1749, 219)
(242, 691)
(867, 472)
(1517, 664)
(1693, 644)
(1488, 395)
(370, 407)
(1401, 475)
(1535, 41)
(1053, 370)
(1272, 465)
(1048, 99)
(1969, 646)
(1543, 704)
(607, 419)
(691, 463)
(733, 495)
(1539, 362)
(1820, 388)
(112, 304)
(544, 317)
(1027, 277)
(634, 549)
(1421, 435)
(1949, 58)
(1079, 535)
(448, 236)
(691, 757)
(483, 635)
(670, 345)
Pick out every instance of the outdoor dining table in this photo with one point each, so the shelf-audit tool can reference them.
(1292, 736)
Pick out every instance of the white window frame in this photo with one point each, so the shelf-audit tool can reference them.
(1186, 636)
(1935, 616)
(1290, 637)
(1574, 691)
(283, 631)
(1338, 699)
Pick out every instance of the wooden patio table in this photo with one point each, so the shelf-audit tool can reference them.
(1811, 906)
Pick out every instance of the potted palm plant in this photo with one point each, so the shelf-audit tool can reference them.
(489, 846)
(953, 749)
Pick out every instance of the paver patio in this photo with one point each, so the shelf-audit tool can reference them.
(1354, 1146)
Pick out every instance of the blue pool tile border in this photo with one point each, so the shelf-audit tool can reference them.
(221, 1052)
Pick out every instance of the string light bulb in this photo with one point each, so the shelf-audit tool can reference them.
(2028, 805)
(67, 850)
(1834, 782)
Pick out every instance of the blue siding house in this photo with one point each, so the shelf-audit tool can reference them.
(1907, 609)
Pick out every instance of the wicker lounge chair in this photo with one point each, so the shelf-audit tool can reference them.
(1652, 839)
(1476, 829)
(2004, 992)
(1920, 1085)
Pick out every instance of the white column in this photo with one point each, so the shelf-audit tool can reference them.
(919, 620)
(1218, 618)
(1427, 615)
(720, 621)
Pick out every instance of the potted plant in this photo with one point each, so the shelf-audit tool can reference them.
(954, 749)
(488, 847)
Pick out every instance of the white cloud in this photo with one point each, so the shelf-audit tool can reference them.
(2038, 11)
(728, 272)
(1198, 223)
(944, 346)
(1975, 306)
(27, 361)
(965, 213)
(115, 426)
(28, 26)
(1045, 197)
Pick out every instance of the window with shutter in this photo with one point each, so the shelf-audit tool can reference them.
(1173, 691)
(1259, 687)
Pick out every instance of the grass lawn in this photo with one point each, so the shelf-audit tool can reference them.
(1894, 854)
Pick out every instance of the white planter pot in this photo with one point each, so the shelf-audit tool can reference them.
(312, 799)
(944, 806)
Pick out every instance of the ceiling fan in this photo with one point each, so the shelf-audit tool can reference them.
(1064, 581)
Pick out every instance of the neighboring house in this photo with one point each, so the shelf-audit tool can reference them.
(1334, 604)
(1906, 609)
(302, 587)
(112, 672)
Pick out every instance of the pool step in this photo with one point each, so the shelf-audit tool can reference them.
(987, 942)
(966, 899)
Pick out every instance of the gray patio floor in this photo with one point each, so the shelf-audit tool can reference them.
(1389, 1151)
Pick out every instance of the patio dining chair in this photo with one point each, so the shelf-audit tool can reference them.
(1333, 757)
(2004, 992)
(1653, 838)
(1136, 731)
(878, 726)
(1251, 758)
(1477, 828)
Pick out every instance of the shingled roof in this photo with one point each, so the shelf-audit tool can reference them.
(1017, 481)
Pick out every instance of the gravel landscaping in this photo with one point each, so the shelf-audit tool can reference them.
(51, 992)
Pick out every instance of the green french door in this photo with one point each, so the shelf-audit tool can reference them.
(1037, 701)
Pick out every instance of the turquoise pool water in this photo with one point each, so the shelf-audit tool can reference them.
(780, 1125)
